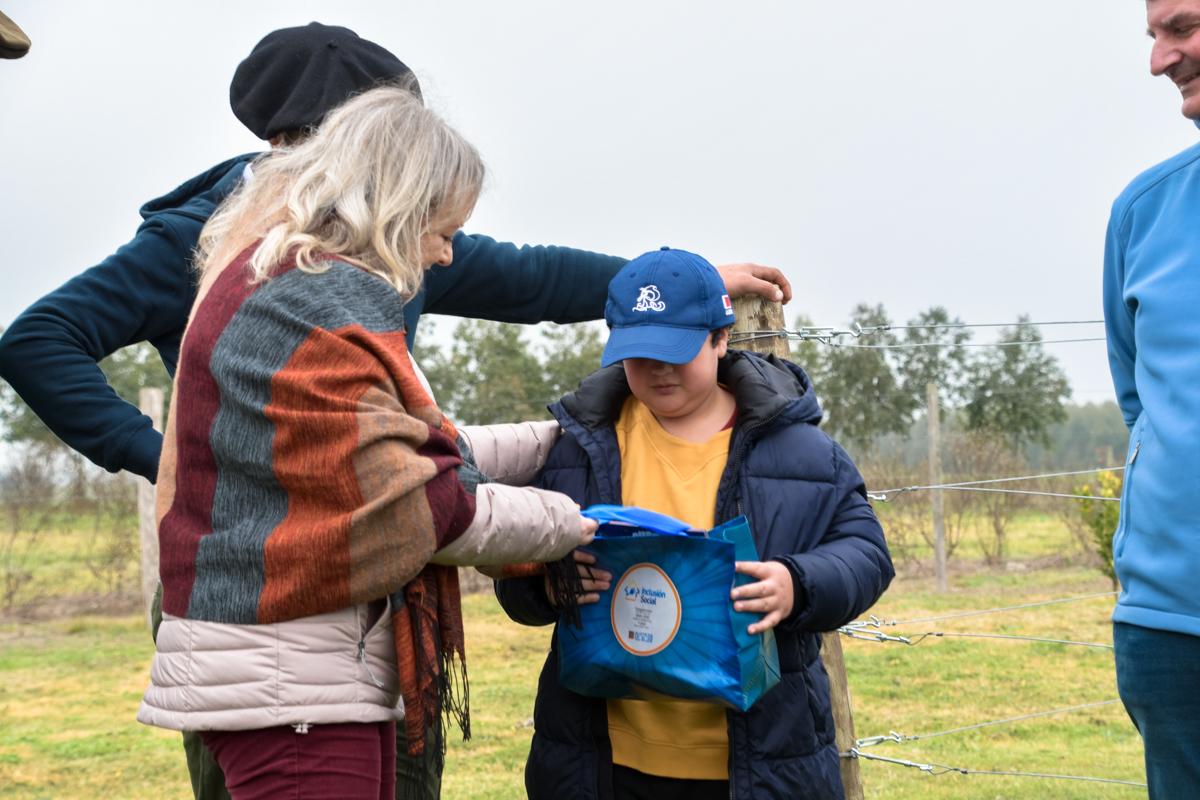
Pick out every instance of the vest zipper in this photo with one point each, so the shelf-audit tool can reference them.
(362, 657)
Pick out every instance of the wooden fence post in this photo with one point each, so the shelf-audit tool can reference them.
(756, 314)
(935, 478)
(150, 401)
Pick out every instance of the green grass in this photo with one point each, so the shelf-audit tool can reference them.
(69, 560)
(946, 683)
(69, 691)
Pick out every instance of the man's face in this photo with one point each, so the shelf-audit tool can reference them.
(1174, 25)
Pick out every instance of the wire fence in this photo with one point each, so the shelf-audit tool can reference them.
(828, 334)
(885, 495)
(912, 345)
(900, 738)
(871, 629)
(942, 769)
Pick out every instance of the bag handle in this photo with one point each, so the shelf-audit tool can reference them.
(638, 518)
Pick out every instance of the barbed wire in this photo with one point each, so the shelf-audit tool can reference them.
(994, 324)
(828, 333)
(900, 738)
(1028, 492)
(884, 495)
(870, 629)
(932, 768)
(860, 630)
(910, 345)
(875, 622)
(852, 632)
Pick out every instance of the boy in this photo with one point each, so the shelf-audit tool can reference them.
(687, 427)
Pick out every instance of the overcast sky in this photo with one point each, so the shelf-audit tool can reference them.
(904, 152)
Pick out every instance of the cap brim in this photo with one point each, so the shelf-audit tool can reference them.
(659, 342)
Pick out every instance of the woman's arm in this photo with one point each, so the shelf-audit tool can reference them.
(511, 453)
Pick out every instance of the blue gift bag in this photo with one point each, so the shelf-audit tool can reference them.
(667, 624)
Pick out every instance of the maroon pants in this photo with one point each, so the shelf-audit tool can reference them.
(356, 761)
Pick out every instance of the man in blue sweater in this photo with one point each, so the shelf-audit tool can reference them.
(144, 291)
(1151, 291)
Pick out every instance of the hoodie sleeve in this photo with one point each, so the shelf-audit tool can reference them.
(1119, 318)
(503, 282)
(49, 354)
(849, 570)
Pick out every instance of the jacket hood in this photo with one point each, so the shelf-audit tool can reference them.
(199, 196)
(767, 390)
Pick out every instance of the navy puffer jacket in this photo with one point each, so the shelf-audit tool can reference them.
(807, 507)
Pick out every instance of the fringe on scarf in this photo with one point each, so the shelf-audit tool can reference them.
(433, 673)
(565, 587)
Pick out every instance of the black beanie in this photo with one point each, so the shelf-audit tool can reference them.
(295, 76)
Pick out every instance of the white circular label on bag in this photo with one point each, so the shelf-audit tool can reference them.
(645, 610)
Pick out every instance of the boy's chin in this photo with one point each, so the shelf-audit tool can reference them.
(662, 413)
(668, 405)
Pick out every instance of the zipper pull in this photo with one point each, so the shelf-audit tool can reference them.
(362, 657)
(301, 727)
(1136, 449)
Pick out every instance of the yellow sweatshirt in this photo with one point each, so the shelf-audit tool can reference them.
(663, 736)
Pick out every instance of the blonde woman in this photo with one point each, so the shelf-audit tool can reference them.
(312, 500)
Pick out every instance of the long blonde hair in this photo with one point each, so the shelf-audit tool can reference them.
(363, 188)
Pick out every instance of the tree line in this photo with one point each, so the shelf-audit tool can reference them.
(872, 389)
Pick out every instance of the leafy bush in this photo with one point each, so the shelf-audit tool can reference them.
(1101, 516)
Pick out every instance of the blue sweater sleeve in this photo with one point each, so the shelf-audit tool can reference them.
(1118, 319)
(849, 570)
(500, 281)
(49, 354)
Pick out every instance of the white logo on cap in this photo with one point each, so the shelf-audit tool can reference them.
(649, 299)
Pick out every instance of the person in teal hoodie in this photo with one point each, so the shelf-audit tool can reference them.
(1151, 291)
(144, 291)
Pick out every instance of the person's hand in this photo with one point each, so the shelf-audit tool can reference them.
(766, 282)
(593, 579)
(587, 530)
(770, 596)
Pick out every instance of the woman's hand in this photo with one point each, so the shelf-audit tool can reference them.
(587, 531)
(593, 579)
(772, 595)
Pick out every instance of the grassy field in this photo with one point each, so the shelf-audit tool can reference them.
(69, 690)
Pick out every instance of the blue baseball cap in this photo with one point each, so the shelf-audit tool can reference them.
(663, 305)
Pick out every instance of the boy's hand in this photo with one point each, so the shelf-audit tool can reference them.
(767, 282)
(771, 595)
(594, 580)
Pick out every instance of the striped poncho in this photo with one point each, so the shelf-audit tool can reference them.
(305, 469)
